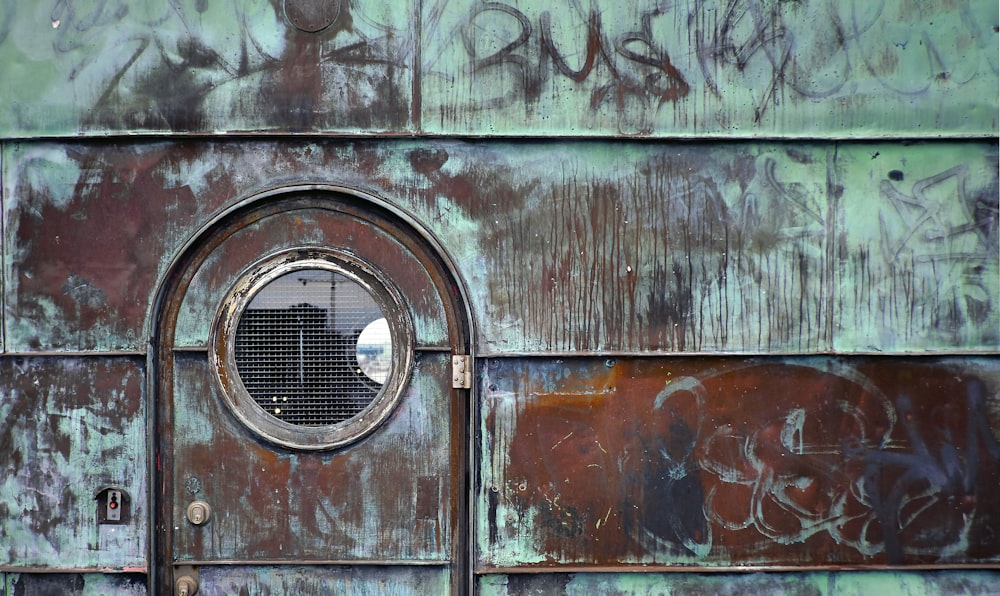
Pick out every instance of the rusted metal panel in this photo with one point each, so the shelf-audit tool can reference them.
(584, 246)
(347, 581)
(71, 427)
(822, 583)
(738, 461)
(75, 584)
(394, 497)
(623, 255)
(735, 248)
(100, 67)
(512, 67)
(85, 237)
(353, 504)
(309, 224)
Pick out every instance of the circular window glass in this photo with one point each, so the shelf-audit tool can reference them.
(320, 348)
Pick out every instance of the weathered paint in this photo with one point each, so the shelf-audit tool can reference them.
(814, 583)
(513, 67)
(739, 461)
(71, 427)
(589, 246)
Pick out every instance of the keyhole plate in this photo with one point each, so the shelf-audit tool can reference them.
(198, 512)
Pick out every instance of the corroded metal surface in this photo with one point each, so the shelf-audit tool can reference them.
(735, 68)
(586, 246)
(739, 461)
(738, 68)
(385, 498)
(395, 497)
(349, 581)
(71, 427)
(849, 583)
(74, 584)
(681, 335)
(197, 66)
(309, 225)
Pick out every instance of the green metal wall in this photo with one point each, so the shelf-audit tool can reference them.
(734, 68)
(628, 191)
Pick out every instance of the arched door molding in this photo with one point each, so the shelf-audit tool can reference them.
(163, 320)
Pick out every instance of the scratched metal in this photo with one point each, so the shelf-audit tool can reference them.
(366, 502)
(71, 427)
(196, 66)
(738, 461)
(74, 584)
(389, 497)
(850, 583)
(585, 246)
(309, 225)
(513, 67)
(255, 489)
(896, 236)
(395, 496)
(736, 68)
(347, 581)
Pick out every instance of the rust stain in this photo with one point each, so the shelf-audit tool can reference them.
(752, 462)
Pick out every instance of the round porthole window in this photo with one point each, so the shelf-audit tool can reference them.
(312, 348)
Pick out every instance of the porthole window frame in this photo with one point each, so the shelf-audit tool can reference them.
(223, 356)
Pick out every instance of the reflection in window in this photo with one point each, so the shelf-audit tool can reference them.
(374, 350)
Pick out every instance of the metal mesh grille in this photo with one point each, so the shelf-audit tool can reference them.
(296, 348)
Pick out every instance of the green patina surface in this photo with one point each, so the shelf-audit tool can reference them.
(195, 66)
(818, 583)
(74, 584)
(515, 67)
(817, 246)
(737, 68)
(71, 427)
(852, 247)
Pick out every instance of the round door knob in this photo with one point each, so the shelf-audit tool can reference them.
(198, 512)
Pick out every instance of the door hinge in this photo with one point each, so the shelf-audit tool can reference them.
(461, 371)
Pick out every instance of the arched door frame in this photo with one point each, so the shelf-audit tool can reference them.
(161, 320)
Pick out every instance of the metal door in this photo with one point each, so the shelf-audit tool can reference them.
(369, 499)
